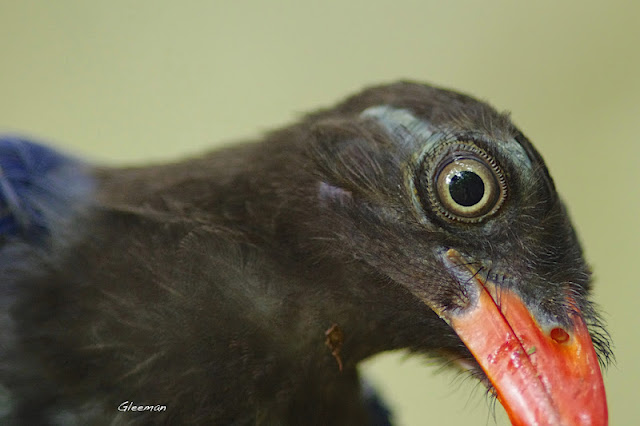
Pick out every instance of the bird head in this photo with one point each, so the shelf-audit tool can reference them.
(447, 199)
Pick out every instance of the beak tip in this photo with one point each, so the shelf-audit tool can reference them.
(541, 377)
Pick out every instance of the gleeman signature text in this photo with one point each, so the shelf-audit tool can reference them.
(130, 406)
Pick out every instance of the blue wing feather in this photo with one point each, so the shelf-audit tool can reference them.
(379, 413)
(42, 195)
(41, 189)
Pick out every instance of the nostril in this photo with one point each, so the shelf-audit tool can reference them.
(559, 335)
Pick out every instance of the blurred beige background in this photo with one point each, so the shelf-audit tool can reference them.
(130, 82)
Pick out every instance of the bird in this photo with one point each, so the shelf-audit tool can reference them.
(245, 285)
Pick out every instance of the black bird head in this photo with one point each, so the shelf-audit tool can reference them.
(448, 199)
(257, 277)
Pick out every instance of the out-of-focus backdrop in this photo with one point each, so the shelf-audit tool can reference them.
(138, 81)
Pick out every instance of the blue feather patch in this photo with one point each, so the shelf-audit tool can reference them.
(41, 190)
(379, 413)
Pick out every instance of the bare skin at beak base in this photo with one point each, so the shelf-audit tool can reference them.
(541, 377)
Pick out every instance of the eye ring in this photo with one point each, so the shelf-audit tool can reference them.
(466, 184)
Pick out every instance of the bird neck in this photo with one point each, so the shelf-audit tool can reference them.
(301, 310)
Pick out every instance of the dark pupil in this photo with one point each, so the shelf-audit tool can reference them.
(466, 188)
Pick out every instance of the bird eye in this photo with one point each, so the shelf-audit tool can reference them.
(466, 184)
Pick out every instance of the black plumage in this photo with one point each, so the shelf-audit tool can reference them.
(209, 285)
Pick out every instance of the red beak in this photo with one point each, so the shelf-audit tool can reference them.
(541, 377)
